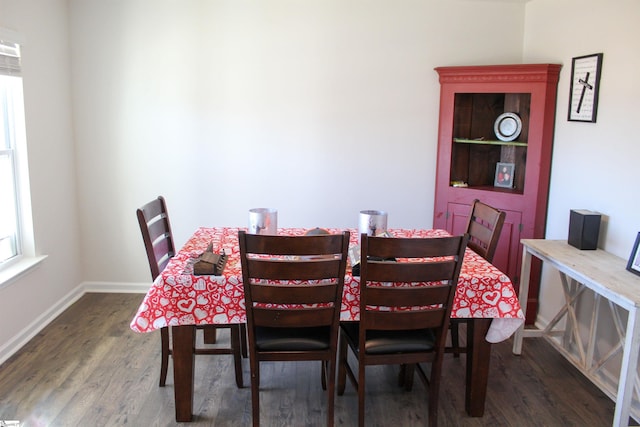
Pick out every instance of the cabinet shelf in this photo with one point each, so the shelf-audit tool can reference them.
(485, 188)
(489, 142)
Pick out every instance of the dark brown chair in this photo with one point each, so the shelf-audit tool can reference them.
(293, 295)
(153, 219)
(405, 324)
(484, 227)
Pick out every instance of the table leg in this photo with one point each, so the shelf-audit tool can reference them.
(628, 370)
(523, 296)
(184, 342)
(478, 357)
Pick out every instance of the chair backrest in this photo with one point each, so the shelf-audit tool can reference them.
(153, 219)
(423, 273)
(293, 281)
(484, 227)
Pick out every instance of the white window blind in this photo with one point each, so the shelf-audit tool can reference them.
(9, 58)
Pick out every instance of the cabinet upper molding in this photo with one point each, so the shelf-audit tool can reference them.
(516, 73)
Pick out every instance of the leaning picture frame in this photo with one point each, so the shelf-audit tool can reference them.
(633, 265)
(584, 88)
(504, 175)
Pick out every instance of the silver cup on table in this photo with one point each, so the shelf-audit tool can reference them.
(263, 221)
(372, 222)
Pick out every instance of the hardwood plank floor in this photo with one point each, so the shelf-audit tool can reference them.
(87, 368)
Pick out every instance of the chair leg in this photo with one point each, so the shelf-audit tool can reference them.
(255, 389)
(243, 340)
(342, 361)
(331, 368)
(408, 378)
(405, 377)
(434, 390)
(236, 340)
(455, 340)
(323, 374)
(164, 356)
(361, 387)
(209, 335)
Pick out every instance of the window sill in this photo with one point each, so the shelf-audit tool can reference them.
(17, 269)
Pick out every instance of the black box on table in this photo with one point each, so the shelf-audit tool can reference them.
(584, 228)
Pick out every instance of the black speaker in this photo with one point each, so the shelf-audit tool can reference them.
(584, 228)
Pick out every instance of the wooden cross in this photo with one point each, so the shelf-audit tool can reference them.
(585, 85)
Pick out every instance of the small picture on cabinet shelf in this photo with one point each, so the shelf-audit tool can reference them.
(634, 259)
(504, 175)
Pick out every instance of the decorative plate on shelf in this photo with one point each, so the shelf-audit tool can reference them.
(507, 126)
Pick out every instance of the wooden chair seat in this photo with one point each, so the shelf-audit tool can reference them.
(384, 342)
(293, 339)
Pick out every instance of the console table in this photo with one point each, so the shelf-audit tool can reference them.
(606, 275)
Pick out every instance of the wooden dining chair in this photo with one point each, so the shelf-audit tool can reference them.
(155, 227)
(293, 295)
(484, 227)
(404, 311)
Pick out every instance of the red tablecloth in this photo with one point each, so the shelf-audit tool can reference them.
(177, 297)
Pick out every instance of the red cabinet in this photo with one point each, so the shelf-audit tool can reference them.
(497, 119)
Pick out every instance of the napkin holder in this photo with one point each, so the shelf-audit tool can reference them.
(210, 263)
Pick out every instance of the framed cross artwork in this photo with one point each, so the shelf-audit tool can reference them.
(585, 84)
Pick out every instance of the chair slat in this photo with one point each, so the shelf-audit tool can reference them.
(293, 245)
(410, 271)
(293, 294)
(406, 297)
(158, 229)
(319, 316)
(406, 320)
(411, 248)
(293, 269)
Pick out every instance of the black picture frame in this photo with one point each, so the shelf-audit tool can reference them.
(504, 175)
(585, 87)
(634, 259)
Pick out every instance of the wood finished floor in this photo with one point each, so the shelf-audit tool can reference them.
(87, 368)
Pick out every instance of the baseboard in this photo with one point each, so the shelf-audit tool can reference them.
(23, 337)
(116, 287)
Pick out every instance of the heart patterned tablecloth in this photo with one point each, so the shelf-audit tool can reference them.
(177, 297)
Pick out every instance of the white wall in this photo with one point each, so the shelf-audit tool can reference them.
(46, 71)
(222, 106)
(594, 164)
(318, 108)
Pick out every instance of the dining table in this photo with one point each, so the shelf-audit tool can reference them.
(485, 298)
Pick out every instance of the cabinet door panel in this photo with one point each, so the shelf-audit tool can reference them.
(507, 257)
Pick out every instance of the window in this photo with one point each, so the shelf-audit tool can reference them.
(17, 249)
(11, 126)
